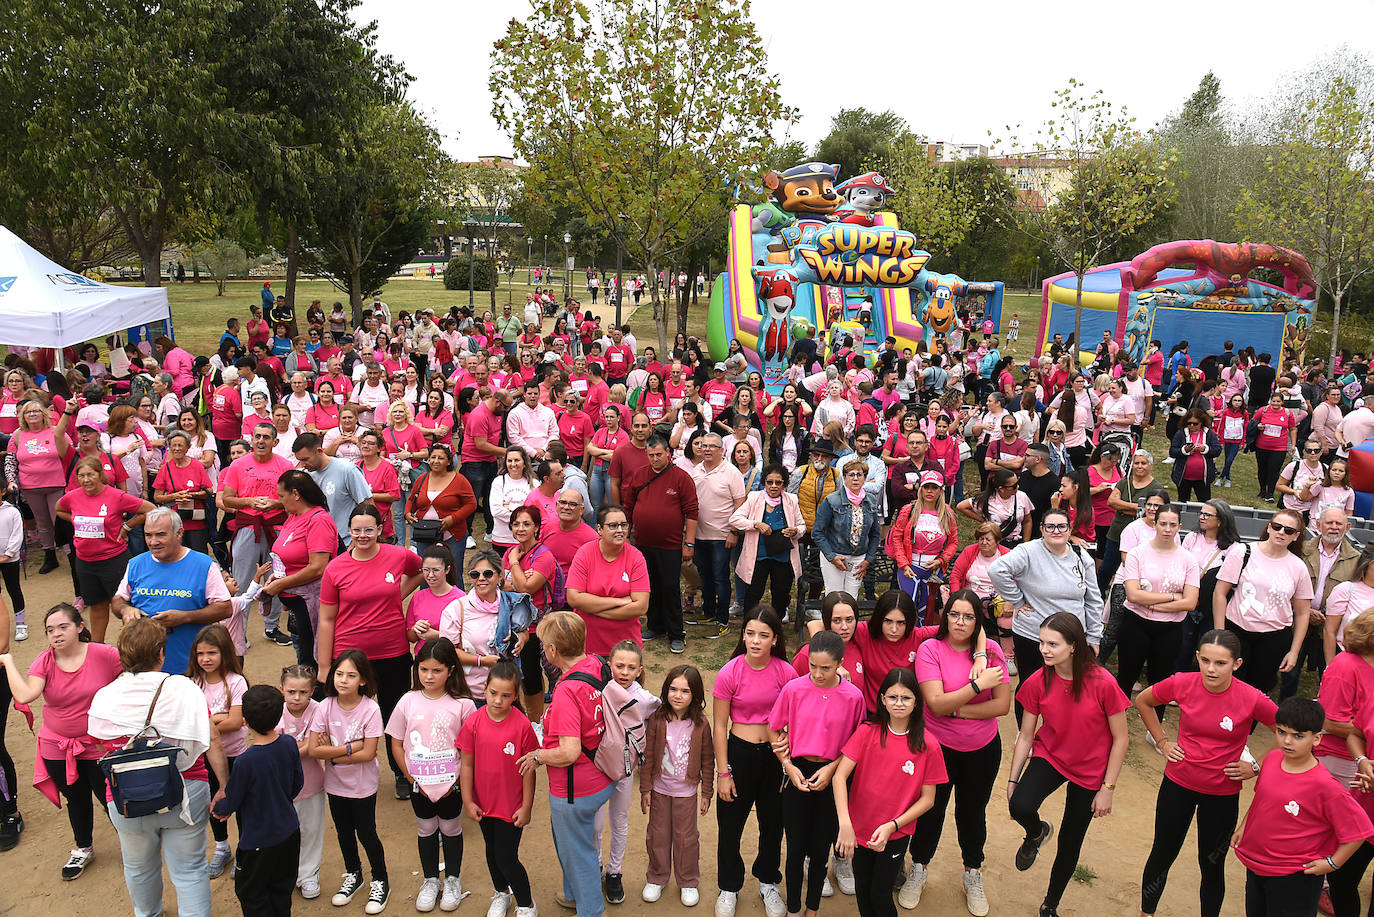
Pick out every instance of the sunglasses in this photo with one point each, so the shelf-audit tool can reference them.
(482, 574)
(1312, 451)
(1280, 527)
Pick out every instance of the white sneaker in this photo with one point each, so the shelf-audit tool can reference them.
(21, 632)
(651, 892)
(910, 894)
(1153, 744)
(453, 894)
(973, 891)
(377, 894)
(726, 903)
(1169, 460)
(690, 897)
(500, 904)
(531, 911)
(220, 860)
(1011, 667)
(773, 905)
(844, 874)
(310, 888)
(827, 890)
(428, 895)
(471, 543)
(77, 861)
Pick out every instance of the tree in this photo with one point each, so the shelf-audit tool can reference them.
(1092, 181)
(860, 138)
(222, 259)
(643, 111)
(481, 197)
(372, 207)
(1315, 193)
(940, 203)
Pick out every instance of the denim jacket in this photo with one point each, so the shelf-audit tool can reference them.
(516, 616)
(833, 527)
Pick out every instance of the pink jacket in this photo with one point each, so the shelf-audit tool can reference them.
(751, 511)
(532, 428)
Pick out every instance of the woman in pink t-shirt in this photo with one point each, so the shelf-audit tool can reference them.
(531, 568)
(1263, 596)
(66, 676)
(608, 584)
(961, 713)
(1073, 733)
(470, 621)
(303, 548)
(1161, 581)
(1204, 768)
(41, 450)
(1276, 431)
(1116, 411)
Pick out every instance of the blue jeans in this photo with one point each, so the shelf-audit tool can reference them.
(509, 347)
(599, 484)
(713, 563)
(145, 843)
(574, 832)
(480, 475)
(1232, 450)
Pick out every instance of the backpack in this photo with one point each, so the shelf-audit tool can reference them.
(621, 749)
(556, 589)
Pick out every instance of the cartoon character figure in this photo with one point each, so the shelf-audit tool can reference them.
(805, 191)
(938, 314)
(778, 297)
(1137, 330)
(864, 195)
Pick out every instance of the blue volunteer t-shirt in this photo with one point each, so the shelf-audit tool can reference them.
(178, 586)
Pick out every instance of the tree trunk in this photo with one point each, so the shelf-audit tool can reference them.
(293, 263)
(195, 271)
(1335, 331)
(152, 265)
(660, 313)
(1078, 320)
(681, 312)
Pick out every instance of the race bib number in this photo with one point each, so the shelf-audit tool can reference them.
(717, 399)
(1273, 429)
(433, 768)
(1234, 427)
(579, 386)
(9, 409)
(655, 413)
(615, 358)
(278, 567)
(89, 526)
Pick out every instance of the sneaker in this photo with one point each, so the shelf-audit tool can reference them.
(500, 904)
(1248, 757)
(310, 889)
(614, 885)
(1153, 744)
(220, 860)
(564, 903)
(651, 892)
(1169, 460)
(277, 637)
(471, 543)
(737, 610)
(1011, 667)
(677, 645)
(1228, 483)
(648, 634)
(428, 896)
(827, 890)
(77, 863)
(973, 891)
(690, 897)
(453, 894)
(703, 618)
(844, 874)
(909, 895)
(21, 632)
(1030, 847)
(720, 630)
(726, 903)
(773, 904)
(352, 881)
(531, 911)
(402, 788)
(377, 894)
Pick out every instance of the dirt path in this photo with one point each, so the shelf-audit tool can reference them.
(1111, 863)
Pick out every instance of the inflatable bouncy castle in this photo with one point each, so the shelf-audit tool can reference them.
(821, 258)
(1199, 291)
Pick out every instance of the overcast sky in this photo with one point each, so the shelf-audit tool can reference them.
(956, 71)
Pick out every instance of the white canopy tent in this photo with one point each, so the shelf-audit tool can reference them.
(42, 304)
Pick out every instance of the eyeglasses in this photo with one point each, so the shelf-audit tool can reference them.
(615, 526)
(1280, 527)
(856, 474)
(1316, 451)
(1206, 515)
(573, 504)
(363, 533)
(482, 574)
(899, 700)
(962, 617)
(1055, 528)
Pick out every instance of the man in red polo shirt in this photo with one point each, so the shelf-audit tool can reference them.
(661, 503)
(630, 456)
(620, 358)
(249, 488)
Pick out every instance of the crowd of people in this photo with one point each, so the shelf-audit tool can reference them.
(467, 527)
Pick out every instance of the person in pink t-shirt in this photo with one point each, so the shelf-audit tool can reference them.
(41, 450)
(961, 712)
(1161, 589)
(1073, 733)
(1204, 768)
(897, 768)
(298, 711)
(214, 667)
(608, 584)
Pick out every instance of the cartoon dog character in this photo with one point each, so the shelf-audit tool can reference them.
(864, 195)
(805, 190)
(778, 296)
(939, 312)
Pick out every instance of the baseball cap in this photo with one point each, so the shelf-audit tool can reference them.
(720, 367)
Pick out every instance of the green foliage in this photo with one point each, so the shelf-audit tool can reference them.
(485, 276)
(481, 199)
(948, 206)
(642, 114)
(222, 259)
(1314, 193)
(860, 140)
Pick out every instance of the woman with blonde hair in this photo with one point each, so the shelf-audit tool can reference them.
(41, 450)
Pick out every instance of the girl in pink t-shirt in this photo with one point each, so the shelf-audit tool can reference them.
(897, 768)
(1073, 733)
(1332, 491)
(677, 766)
(298, 711)
(496, 795)
(214, 667)
(1204, 768)
(1276, 430)
(345, 734)
(424, 731)
(425, 612)
(1161, 580)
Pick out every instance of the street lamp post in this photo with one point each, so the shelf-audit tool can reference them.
(472, 264)
(619, 281)
(567, 270)
(545, 263)
(529, 258)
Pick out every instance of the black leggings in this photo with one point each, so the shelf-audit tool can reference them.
(1028, 662)
(1294, 895)
(10, 572)
(875, 874)
(1039, 780)
(302, 634)
(971, 777)
(812, 825)
(1216, 820)
(775, 573)
(355, 822)
(758, 783)
(1141, 644)
(448, 808)
(1194, 491)
(220, 829)
(9, 804)
(82, 795)
(503, 859)
(1345, 883)
(1270, 463)
(1262, 653)
(393, 681)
